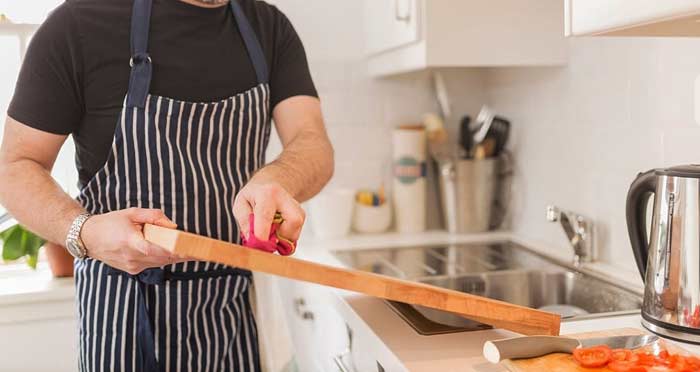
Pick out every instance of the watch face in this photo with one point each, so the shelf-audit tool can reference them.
(74, 249)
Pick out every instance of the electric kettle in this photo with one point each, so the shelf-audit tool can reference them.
(668, 257)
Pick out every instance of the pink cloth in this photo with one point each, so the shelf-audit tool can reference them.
(275, 243)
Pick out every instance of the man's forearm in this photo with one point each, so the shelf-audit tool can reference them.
(303, 168)
(32, 197)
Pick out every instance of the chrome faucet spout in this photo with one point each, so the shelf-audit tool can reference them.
(578, 229)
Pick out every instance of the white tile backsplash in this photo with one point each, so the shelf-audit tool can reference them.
(583, 132)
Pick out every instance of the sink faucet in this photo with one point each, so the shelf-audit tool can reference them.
(578, 229)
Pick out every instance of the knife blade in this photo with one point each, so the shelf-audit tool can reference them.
(620, 342)
(535, 346)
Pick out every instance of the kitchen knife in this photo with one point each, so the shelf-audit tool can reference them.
(535, 346)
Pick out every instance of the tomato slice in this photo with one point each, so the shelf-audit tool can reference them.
(645, 359)
(625, 366)
(621, 354)
(593, 357)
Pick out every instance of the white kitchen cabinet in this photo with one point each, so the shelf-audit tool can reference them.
(393, 23)
(318, 331)
(633, 17)
(412, 35)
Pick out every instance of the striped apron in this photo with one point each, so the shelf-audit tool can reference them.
(189, 160)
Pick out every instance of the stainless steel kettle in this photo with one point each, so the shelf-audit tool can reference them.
(669, 257)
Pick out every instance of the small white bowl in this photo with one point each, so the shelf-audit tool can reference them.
(331, 213)
(371, 219)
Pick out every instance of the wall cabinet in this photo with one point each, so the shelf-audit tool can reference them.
(632, 17)
(412, 35)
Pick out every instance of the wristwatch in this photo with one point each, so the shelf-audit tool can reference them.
(74, 244)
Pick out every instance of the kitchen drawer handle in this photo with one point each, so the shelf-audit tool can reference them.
(402, 17)
(299, 307)
(340, 362)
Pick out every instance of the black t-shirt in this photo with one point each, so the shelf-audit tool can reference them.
(76, 71)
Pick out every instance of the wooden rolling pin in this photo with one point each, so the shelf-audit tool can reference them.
(495, 313)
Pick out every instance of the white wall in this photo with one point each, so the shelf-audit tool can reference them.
(583, 132)
(359, 111)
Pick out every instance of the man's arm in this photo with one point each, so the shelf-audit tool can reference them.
(300, 172)
(27, 189)
(32, 196)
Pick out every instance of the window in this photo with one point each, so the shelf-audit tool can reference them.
(18, 22)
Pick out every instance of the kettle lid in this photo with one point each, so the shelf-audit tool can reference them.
(687, 171)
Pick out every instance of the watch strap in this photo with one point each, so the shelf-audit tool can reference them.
(74, 243)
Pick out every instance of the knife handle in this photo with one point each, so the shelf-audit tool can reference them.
(527, 347)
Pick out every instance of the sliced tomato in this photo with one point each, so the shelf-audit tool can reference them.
(621, 354)
(593, 357)
(692, 362)
(645, 359)
(625, 366)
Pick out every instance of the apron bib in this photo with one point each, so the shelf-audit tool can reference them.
(189, 160)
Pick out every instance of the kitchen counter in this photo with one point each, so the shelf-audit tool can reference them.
(27, 296)
(448, 352)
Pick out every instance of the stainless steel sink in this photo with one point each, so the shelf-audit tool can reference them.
(504, 271)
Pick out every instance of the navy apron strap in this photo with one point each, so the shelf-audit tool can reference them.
(252, 44)
(141, 66)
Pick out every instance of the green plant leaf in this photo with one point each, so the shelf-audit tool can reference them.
(32, 244)
(13, 247)
(6, 233)
(32, 259)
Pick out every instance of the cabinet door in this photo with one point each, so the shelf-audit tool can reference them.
(318, 331)
(391, 23)
(586, 17)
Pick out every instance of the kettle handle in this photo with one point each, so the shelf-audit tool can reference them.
(643, 187)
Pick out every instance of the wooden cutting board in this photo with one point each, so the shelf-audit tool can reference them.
(496, 313)
(561, 362)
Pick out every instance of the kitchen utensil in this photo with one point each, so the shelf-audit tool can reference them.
(669, 257)
(443, 97)
(448, 193)
(331, 211)
(496, 313)
(535, 346)
(466, 137)
(437, 136)
(500, 132)
(485, 149)
(410, 186)
(468, 192)
(483, 123)
(434, 128)
(488, 125)
(564, 362)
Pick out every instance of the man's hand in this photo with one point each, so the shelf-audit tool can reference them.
(264, 199)
(116, 238)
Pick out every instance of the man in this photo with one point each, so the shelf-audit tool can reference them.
(169, 104)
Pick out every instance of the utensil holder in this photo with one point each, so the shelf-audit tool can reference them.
(469, 190)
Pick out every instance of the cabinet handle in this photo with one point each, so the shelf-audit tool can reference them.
(340, 362)
(405, 17)
(340, 358)
(299, 307)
